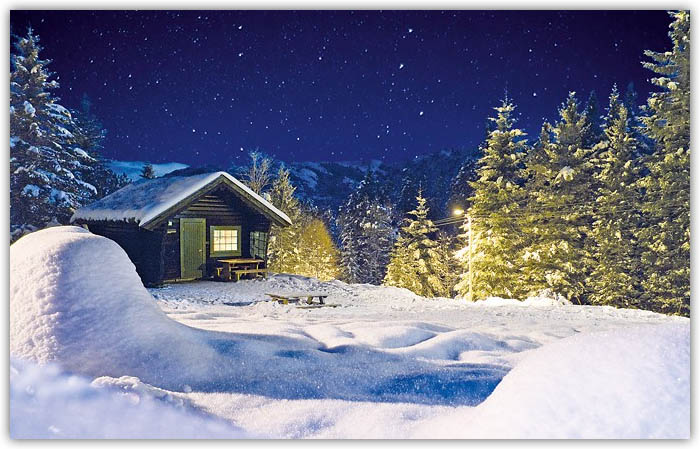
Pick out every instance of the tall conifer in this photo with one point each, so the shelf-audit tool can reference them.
(496, 201)
(557, 218)
(417, 262)
(666, 238)
(616, 275)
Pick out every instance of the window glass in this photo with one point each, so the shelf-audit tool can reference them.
(225, 240)
(258, 244)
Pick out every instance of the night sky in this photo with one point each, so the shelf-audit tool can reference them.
(205, 87)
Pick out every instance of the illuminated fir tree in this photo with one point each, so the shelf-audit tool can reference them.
(417, 262)
(557, 218)
(283, 247)
(616, 277)
(496, 201)
(320, 255)
(666, 238)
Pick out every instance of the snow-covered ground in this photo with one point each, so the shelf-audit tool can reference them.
(383, 363)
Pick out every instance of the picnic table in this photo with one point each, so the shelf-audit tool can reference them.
(240, 266)
(297, 297)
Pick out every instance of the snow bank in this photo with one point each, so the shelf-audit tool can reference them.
(76, 299)
(632, 383)
(46, 403)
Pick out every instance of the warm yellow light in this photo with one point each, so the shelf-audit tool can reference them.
(457, 212)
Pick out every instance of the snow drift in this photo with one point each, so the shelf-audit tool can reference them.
(46, 403)
(384, 363)
(631, 383)
(76, 299)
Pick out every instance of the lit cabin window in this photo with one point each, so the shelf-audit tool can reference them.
(225, 241)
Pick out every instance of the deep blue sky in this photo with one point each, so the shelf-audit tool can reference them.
(197, 86)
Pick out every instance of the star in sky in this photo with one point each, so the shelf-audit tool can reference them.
(196, 86)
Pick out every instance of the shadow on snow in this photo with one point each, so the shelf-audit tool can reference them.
(302, 368)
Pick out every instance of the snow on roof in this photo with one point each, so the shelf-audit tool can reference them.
(144, 200)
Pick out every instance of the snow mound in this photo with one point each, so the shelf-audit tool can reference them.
(632, 383)
(76, 299)
(47, 403)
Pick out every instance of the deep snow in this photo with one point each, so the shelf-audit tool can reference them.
(384, 363)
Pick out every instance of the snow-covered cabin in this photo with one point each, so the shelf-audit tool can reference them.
(179, 226)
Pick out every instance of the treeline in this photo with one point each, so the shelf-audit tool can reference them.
(596, 209)
(306, 247)
(55, 160)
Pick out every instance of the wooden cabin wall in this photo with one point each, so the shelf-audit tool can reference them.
(220, 208)
(143, 247)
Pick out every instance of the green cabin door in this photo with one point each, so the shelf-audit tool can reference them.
(192, 251)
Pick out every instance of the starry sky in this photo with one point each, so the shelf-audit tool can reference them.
(205, 87)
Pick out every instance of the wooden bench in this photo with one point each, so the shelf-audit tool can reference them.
(238, 273)
(296, 298)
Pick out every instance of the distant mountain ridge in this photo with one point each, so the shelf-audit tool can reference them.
(327, 185)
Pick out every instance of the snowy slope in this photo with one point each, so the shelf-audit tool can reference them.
(328, 185)
(133, 169)
(384, 363)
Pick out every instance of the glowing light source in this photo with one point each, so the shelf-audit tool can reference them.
(457, 212)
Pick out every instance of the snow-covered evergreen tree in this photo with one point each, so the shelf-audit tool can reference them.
(666, 236)
(616, 278)
(366, 234)
(407, 194)
(593, 133)
(460, 188)
(88, 143)
(283, 247)
(46, 167)
(635, 112)
(557, 218)
(417, 262)
(319, 255)
(496, 201)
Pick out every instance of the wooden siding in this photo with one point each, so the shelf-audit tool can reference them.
(220, 207)
(156, 252)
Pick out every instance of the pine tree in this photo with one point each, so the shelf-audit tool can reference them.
(147, 171)
(616, 278)
(46, 169)
(417, 262)
(407, 194)
(283, 247)
(645, 145)
(366, 234)
(498, 193)
(320, 255)
(88, 143)
(593, 133)
(557, 219)
(666, 206)
(460, 188)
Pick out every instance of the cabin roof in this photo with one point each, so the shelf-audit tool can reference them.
(149, 201)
